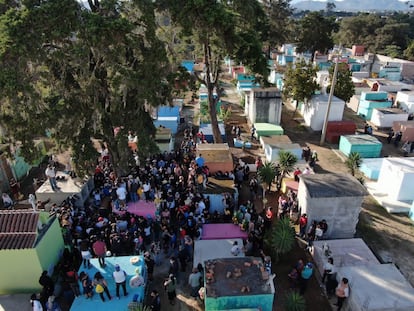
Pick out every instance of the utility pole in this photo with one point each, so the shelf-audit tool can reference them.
(331, 92)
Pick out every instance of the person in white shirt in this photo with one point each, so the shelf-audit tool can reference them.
(119, 276)
(146, 188)
(121, 193)
(51, 175)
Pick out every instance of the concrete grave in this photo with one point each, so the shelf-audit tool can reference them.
(377, 288)
(68, 187)
(345, 253)
(337, 198)
(214, 249)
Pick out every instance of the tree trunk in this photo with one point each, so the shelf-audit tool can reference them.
(210, 90)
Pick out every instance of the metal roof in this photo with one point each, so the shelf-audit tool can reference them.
(18, 229)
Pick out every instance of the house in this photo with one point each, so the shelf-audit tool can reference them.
(30, 242)
(337, 198)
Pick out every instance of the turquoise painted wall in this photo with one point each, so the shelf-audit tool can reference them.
(265, 302)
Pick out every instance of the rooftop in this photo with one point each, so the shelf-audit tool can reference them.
(251, 276)
(18, 229)
(332, 185)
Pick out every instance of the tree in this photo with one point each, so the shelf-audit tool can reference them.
(286, 162)
(85, 73)
(281, 238)
(267, 174)
(330, 7)
(299, 82)
(353, 162)
(279, 14)
(314, 33)
(344, 87)
(221, 28)
(409, 51)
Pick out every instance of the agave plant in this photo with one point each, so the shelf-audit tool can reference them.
(353, 162)
(281, 238)
(295, 302)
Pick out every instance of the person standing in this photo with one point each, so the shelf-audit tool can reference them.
(170, 286)
(174, 267)
(99, 248)
(48, 286)
(51, 175)
(194, 282)
(305, 276)
(119, 276)
(253, 132)
(101, 286)
(149, 262)
(342, 292)
(303, 222)
(85, 253)
(155, 301)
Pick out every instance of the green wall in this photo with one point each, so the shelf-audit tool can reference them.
(20, 269)
(50, 247)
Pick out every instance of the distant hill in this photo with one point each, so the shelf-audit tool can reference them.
(354, 5)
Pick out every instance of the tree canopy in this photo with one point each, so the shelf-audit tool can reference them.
(299, 81)
(344, 87)
(388, 35)
(279, 13)
(221, 28)
(314, 33)
(79, 73)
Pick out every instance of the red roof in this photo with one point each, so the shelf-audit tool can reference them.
(18, 229)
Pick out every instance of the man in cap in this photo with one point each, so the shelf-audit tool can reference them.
(119, 276)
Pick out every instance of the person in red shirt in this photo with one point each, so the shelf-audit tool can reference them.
(296, 174)
(259, 163)
(99, 248)
(303, 222)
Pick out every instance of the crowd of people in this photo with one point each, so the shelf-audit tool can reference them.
(105, 227)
